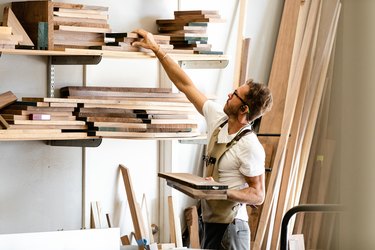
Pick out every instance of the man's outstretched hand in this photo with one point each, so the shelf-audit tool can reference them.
(147, 42)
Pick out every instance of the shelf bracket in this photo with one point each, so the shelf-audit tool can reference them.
(203, 64)
(76, 143)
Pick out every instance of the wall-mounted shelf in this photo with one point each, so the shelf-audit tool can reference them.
(195, 60)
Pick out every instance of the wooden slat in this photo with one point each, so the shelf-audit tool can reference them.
(79, 6)
(191, 217)
(134, 209)
(193, 181)
(174, 224)
(145, 135)
(10, 20)
(199, 193)
(82, 29)
(6, 99)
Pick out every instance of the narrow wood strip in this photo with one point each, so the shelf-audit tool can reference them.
(79, 6)
(134, 210)
(193, 181)
(82, 29)
(199, 193)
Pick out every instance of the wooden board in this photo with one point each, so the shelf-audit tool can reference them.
(6, 99)
(191, 217)
(199, 193)
(10, 20)
(193, 181)
(134, 209)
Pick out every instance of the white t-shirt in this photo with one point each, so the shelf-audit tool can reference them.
(245, 158)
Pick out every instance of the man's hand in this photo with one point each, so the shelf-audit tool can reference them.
(147, 42)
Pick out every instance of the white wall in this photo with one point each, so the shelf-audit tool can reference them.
(41, 185)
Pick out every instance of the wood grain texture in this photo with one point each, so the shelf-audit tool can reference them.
(10, 20)
(193, 181)
(199, 193)
(6, 99)
(134, 209)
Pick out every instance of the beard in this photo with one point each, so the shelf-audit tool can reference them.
(229, 110)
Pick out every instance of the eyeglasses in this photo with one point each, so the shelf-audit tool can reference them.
(243, 102)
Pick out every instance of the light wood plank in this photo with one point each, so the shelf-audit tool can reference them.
(134, 209)
(10, 20)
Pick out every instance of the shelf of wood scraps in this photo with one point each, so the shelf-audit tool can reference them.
(189, 60)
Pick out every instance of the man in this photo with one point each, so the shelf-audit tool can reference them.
(234, 154)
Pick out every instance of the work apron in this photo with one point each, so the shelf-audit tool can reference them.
(219, 211)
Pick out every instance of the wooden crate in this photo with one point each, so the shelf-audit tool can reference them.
(87, 23)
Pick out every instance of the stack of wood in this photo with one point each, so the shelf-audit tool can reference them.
(39, 118)
(122, 42)
(56, 26)
(300, 81)
(188, 30)
(125, 112)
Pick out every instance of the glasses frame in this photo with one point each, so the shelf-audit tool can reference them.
(243, 102)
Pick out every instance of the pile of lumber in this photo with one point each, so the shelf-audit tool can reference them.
(124, 112)
(188, 30)
(79, 27)
(122, 41)
(56, 26)
(34, 118)
(300, 81)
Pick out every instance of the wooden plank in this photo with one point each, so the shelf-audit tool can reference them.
(94, 216)
(80, 15)
(10, 20)
(134, 209)
(82, 29)
(193, 181)
(174, 224)
(41, 123)
(245, 55)
(3, 123)
(79, 6)
(191, 217)
(6, 99)
(199, 193)
(5, 30)
(144, 135)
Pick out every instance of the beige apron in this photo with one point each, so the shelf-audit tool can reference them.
(219, 211)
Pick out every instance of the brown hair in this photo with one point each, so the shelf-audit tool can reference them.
(259, 100)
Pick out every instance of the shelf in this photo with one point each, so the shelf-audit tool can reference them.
(104, 53)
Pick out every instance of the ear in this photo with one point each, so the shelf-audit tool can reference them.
(243, 108)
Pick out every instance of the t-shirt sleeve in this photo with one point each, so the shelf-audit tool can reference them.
(251, 161)
(213, 114)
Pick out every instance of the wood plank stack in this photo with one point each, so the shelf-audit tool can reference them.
(133, 112)
(299, 78)
(35, 118)
(188, 30)
(122, 42)
(56, 26)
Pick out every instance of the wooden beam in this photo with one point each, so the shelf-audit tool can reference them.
(174, 224)
(242, 9)
(134, 209)
(245, 57)
(191, 216)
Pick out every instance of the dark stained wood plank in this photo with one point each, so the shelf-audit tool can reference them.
(193, 181)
